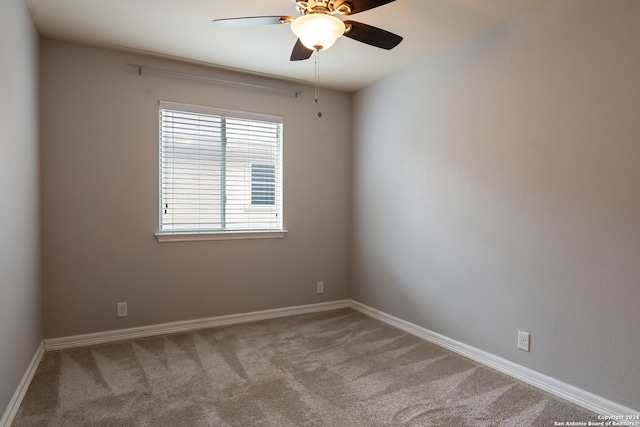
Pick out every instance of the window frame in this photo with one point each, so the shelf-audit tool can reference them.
(223, 234)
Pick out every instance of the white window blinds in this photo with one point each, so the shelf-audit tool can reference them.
(220, 170)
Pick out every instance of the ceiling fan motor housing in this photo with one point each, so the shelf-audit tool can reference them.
(323, 6)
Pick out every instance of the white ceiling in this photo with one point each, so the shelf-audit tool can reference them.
(183, 29)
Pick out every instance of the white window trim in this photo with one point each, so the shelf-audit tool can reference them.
(222, 235)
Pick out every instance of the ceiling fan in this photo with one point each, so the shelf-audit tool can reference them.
(318, 26)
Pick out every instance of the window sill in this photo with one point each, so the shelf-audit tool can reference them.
(222, 235)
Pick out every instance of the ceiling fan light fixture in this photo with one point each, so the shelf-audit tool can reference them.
(318, 31)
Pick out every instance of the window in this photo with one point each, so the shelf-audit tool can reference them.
(220, 171)
(263, 184)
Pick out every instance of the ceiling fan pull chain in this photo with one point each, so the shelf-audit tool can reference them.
(317, 69)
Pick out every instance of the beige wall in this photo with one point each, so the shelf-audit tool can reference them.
(100, 199)
(20, 308)
(497, 189)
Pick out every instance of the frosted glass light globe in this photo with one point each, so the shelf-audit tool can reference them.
(318, 31)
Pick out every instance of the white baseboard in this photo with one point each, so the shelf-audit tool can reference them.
(187, 325)
(23, 386)
(563, 390)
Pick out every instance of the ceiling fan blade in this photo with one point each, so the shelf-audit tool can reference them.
(358, 6)
(252, 21)
(300, 52)
(371, 35)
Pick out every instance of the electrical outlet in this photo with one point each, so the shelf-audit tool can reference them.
(320, 287)
(122, 309)
(524, 339)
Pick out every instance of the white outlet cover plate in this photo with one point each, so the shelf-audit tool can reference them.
(523, 340)
(122, 309)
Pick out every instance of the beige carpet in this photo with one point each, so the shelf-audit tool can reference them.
(337, 368)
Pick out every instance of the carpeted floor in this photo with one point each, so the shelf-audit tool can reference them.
(337, 368)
